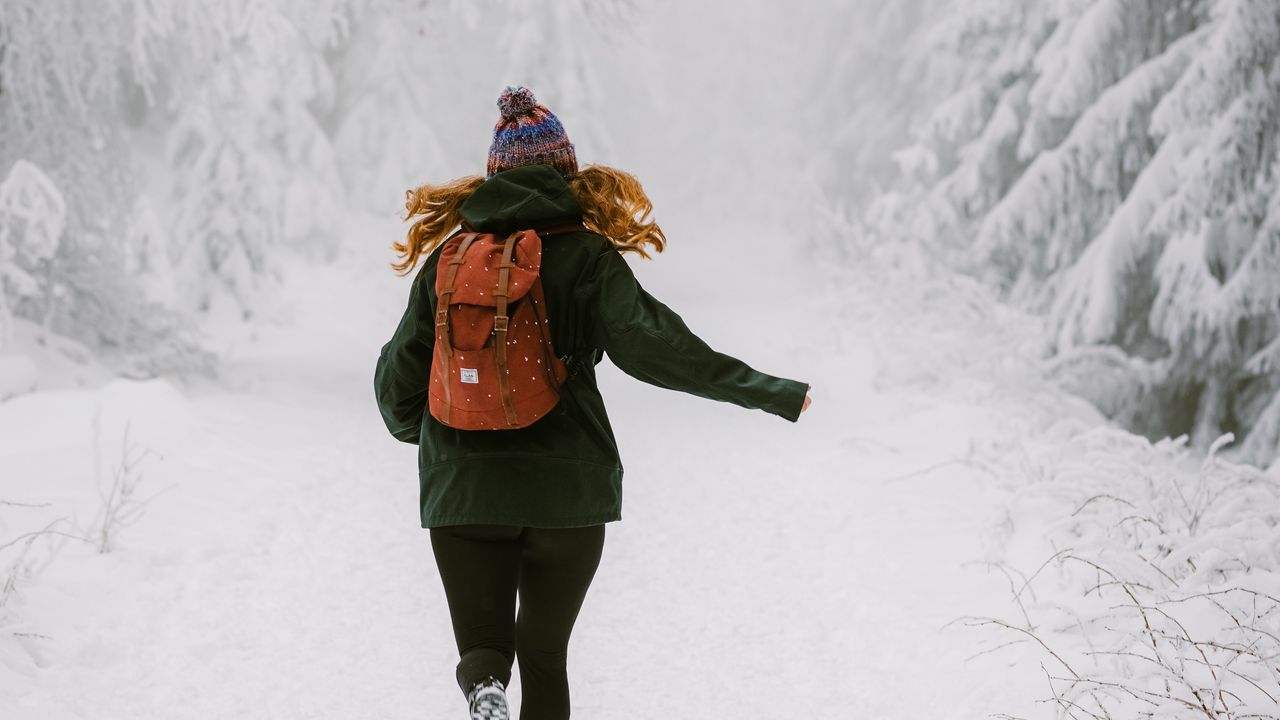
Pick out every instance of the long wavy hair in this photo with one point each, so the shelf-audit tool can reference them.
(613, 205)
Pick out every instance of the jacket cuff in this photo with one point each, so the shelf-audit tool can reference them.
(791, 399)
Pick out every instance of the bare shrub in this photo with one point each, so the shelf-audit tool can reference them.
(21, 555)
(121, 506)
(26, 562)
(1164, 601)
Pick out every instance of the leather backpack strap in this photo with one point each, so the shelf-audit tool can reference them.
(446, 295)
(442, 317)
(500, 320)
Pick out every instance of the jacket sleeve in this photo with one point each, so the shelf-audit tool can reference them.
(650, 342)
(404, 369)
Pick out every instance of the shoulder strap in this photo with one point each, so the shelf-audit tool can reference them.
(500, 321)
(446, 295)
(442, 318)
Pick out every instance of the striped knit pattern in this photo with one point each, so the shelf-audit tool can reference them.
(529, 134)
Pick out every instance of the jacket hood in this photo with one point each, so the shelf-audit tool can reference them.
(526, 197)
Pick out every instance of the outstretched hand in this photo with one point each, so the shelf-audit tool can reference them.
(807, 399)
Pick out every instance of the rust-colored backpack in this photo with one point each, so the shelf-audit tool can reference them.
(492, 370)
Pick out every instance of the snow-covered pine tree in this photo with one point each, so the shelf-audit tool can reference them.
(1215, 238)
(1098, 77)
(969, 69)
(68, 93)
(183, 138)
(252, 169)
(390, 85)
(1185, 272)
(1116, 170)
(32, 217)
(863, 46)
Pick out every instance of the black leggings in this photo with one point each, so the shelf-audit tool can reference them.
(482, 566)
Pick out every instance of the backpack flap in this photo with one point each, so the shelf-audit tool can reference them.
(473, 301)
(478, 273)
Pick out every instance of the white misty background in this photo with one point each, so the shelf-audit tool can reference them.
(1063, 215)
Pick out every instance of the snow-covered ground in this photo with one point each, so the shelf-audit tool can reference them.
(762, 569)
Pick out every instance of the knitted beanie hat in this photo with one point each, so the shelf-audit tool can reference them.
(528, 134)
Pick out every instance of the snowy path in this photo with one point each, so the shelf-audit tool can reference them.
(767, 569)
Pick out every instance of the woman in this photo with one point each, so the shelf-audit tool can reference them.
(524, 509)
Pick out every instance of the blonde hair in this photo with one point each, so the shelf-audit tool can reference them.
(613, 204)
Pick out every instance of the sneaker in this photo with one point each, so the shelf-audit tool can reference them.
(488, 700)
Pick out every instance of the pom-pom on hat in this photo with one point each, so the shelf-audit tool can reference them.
(529, 134)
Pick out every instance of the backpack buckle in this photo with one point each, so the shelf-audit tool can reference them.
(500, 323)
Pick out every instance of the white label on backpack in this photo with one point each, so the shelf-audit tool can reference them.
(469, 375)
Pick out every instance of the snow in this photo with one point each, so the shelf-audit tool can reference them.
(17, 375)
(278, 569)
(247, 544)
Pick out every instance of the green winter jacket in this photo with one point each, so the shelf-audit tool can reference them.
(564, 470)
